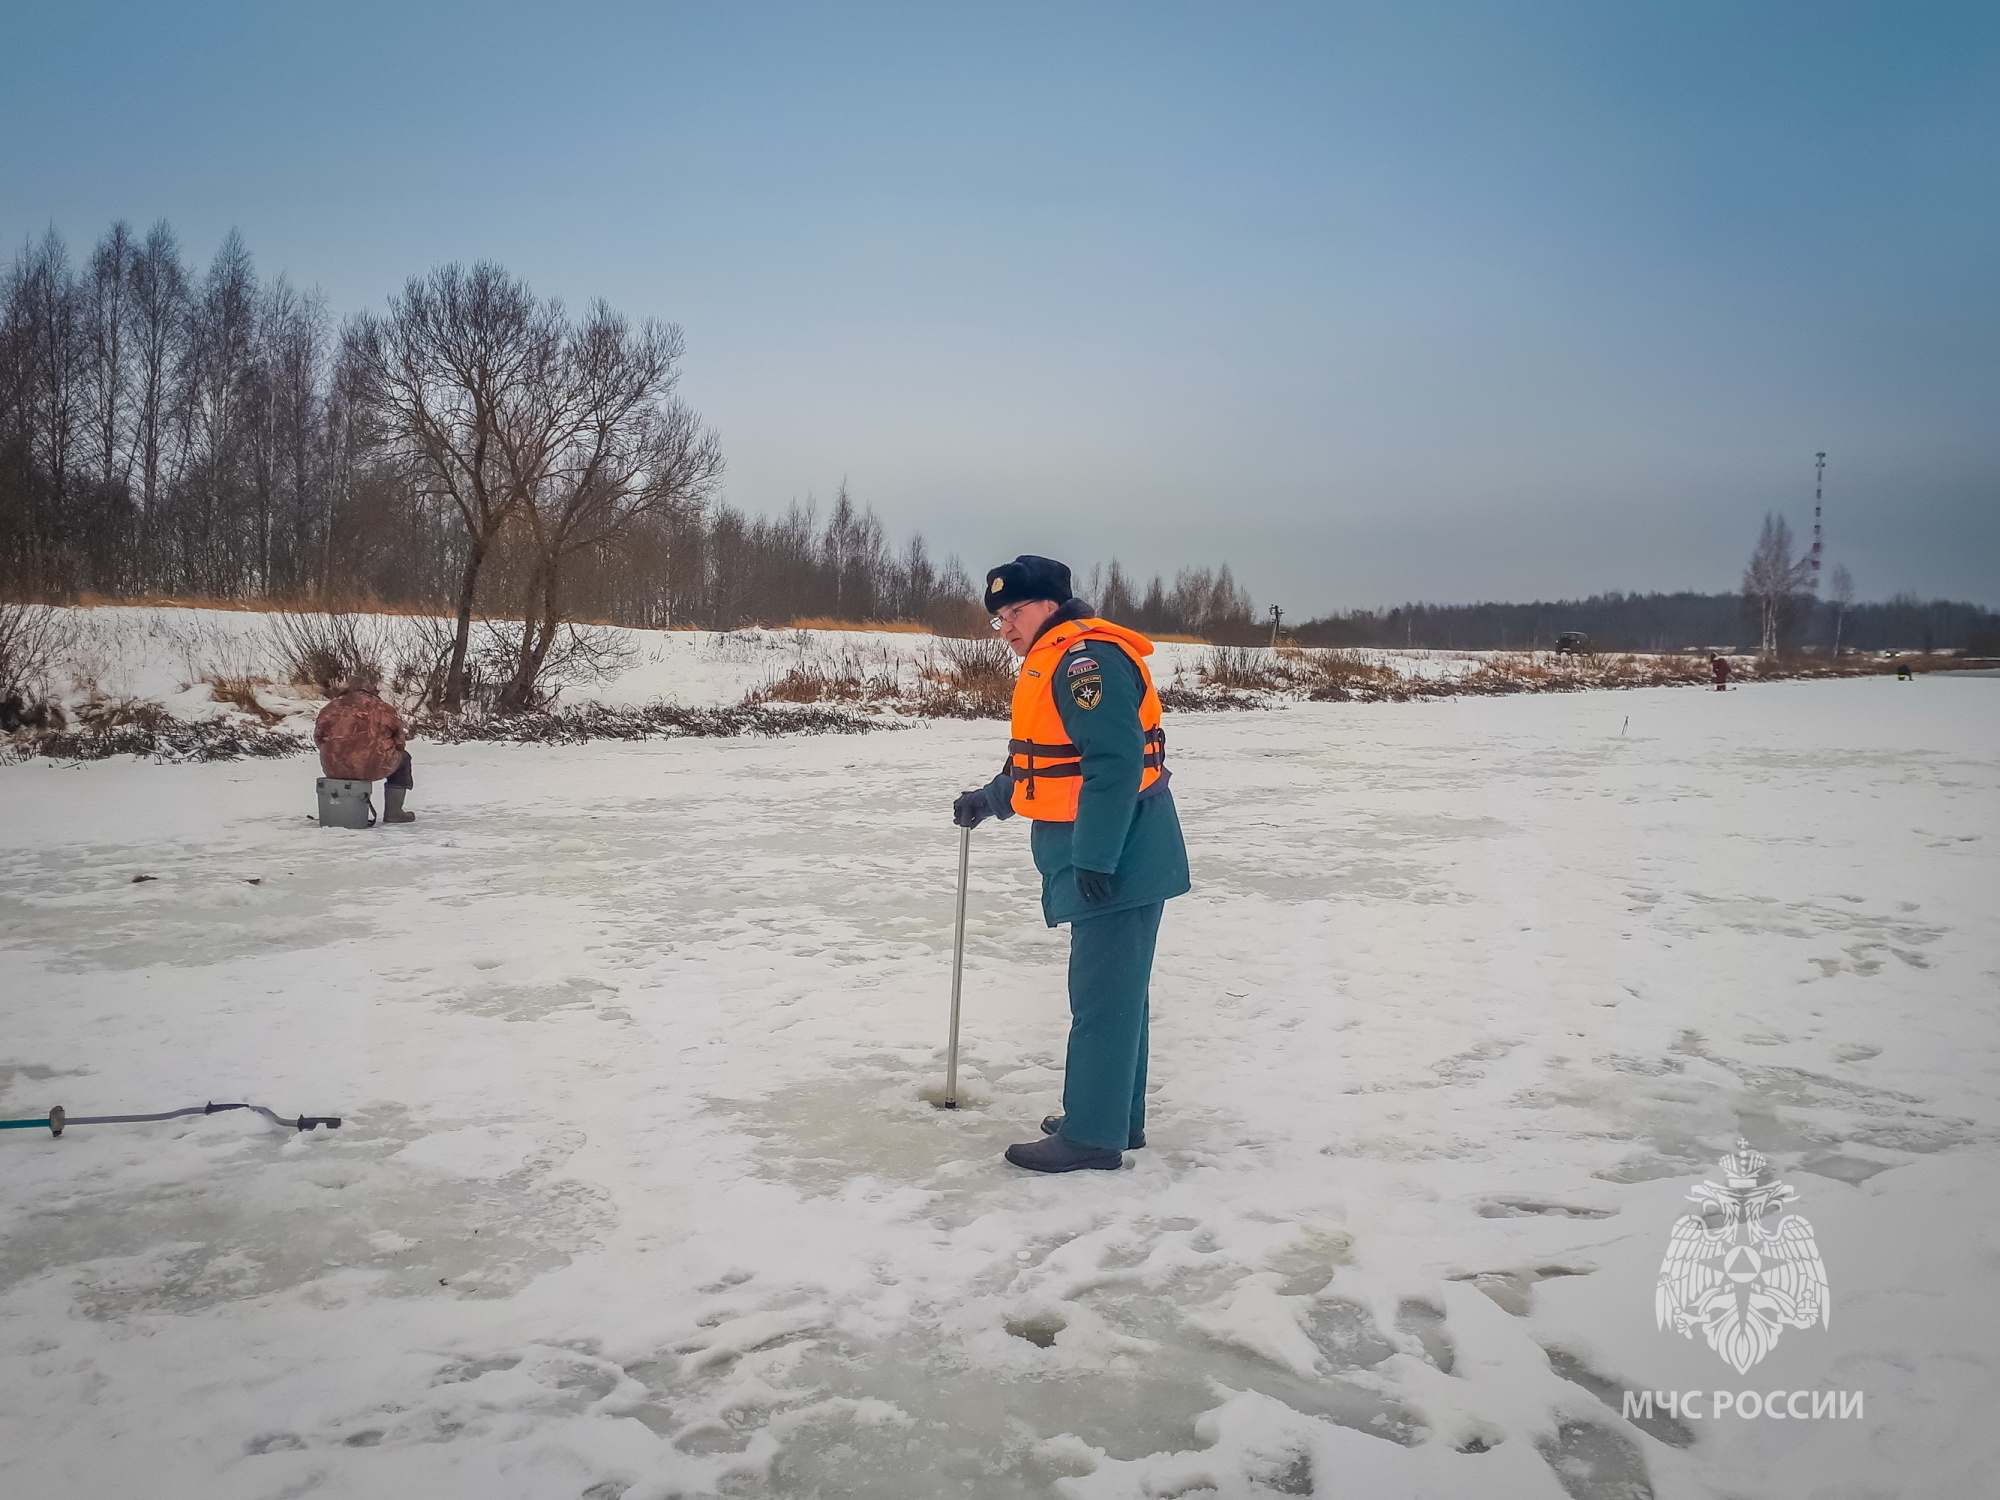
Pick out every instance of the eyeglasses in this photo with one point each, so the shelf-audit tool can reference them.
(1006, 614)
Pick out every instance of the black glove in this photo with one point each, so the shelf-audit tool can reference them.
(1095, 886)
(971, 809)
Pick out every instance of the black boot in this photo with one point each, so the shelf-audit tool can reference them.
(392, 805)
(1052, 1124)
(1054, 1154)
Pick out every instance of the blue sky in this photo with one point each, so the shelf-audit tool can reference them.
(1374, 301)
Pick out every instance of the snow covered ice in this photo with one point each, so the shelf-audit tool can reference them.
(637, 1195)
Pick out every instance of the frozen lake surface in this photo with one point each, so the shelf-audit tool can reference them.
(637, 1196)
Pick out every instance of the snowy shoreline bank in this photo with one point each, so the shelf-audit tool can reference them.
(184, 684)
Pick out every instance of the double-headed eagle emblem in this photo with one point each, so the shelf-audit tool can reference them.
(1741, 1281)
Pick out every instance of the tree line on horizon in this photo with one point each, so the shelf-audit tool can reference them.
(478, 451)
(1778, 609)
(472, 449)
(1661, 622)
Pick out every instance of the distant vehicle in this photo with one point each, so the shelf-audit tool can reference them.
(1572, 643)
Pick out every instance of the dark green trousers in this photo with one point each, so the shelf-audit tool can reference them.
(1110, 969)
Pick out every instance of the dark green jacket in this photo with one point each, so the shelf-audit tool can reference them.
(1136, 838)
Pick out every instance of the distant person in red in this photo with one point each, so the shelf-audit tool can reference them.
(1720, 666)
(361, 738)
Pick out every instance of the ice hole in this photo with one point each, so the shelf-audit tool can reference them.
(821, 1135)
(1040, 1330)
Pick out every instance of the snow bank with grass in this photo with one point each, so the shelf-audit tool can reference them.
(264, 676)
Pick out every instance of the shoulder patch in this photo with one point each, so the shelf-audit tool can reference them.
(1087, 692)
(1082, 664)
(1076, 648)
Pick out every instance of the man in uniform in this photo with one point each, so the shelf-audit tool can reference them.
(1086, 764)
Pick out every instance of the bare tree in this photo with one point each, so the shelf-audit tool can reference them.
(106, 317)
(1843, 600)
(218, 387)
(462, 357)
(43, 321)
(287, 437)
(1114, 597)
(596, 443)
(1776, 582)
(158, 301)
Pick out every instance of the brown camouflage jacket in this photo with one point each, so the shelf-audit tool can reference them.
(360, 737)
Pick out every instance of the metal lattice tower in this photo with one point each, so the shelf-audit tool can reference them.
(1819, 486)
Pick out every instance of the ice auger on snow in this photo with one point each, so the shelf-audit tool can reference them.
(57, 1120)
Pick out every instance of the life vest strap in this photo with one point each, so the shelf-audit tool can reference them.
(1039, 773)
(1156, 740)
(1070, 768)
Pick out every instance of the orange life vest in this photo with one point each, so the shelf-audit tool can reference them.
(1047, 769)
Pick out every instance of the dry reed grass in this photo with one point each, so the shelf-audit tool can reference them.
(889, 627)
(1345, 676)
(812, 684)
(949, 678)
(825, 674)
(360, 604)
(1244, 669)
(967, 679)
(241, 693)
(327, 652)
(1325, 676)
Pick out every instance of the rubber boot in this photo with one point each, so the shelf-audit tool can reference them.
(392, 805)
(1052, 1125)
(1054, 1154)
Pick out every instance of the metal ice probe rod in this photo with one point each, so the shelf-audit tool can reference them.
(957, 971)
